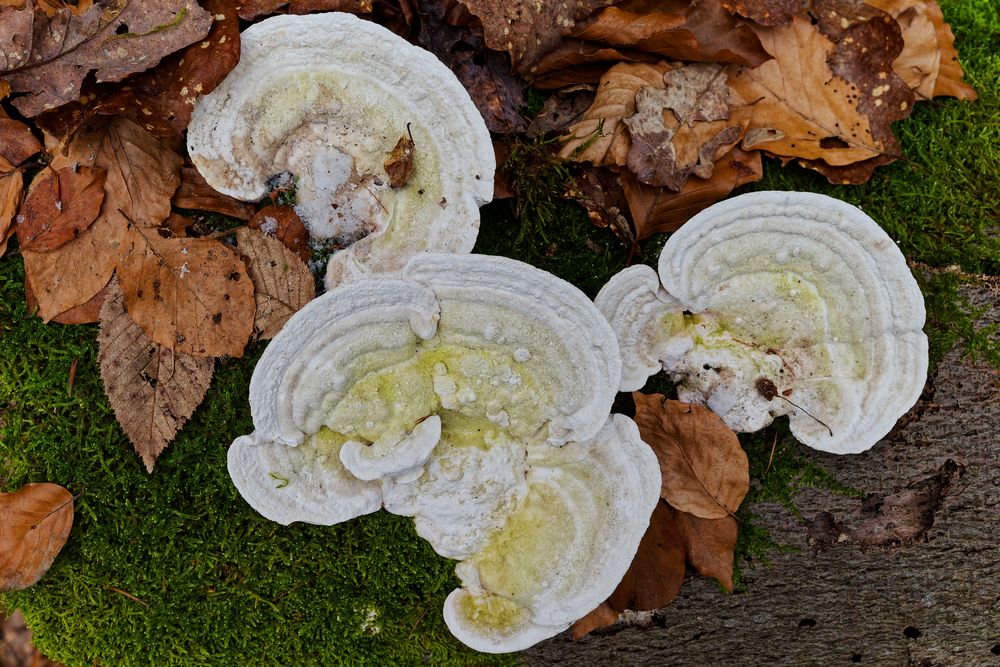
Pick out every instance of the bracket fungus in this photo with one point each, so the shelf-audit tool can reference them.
(472, 393)
(775, 303)
(325, 98)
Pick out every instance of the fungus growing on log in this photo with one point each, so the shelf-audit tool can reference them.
(325, 98)
(472, 393)
(775, 303)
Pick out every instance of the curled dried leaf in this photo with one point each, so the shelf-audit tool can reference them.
(399, 162)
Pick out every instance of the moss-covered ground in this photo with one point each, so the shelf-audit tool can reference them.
(175, 568)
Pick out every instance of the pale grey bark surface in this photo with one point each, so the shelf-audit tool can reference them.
(844, 597)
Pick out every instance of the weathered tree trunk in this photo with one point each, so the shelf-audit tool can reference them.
(909, 576)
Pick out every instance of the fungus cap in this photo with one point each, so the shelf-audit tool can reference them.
(776, 303)
(472, 393)
(326, 97)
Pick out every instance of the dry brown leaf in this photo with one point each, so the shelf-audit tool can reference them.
(709, 545)
(59, 206)
(698, 30)
(562, 66)
(929, 62)
(484, 73)
(152, 390)
(599, 190)
(527, 30)
(35, 522)
(600, 136)
(86, 313)
(284, 224)
(11, 189)
(657, 571)
(561, 109)
(142, 174)
(195, 193)
(682, 126)
(399, 162)
(601, 617)
(765, 12)
(657, 210)
(829, 97)
(704, 469)
(17, 143)
(113, 42)
(282, 282)
(193, 296)
(252, 9)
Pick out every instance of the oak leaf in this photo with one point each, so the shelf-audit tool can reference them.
(111, 39)
(11, 189)
(284, 224)
(152, 389)
(682, 126)
(657, 210)
(59, 206)
(282, 283)
(600, 136)
(704, 469)
(142, 174)
(35, 522)
(698, 30)
(929, 62)
(192, 296)
(195, 193)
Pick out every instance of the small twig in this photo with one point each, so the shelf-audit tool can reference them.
(384, 209)
(771, 457)
(72, 377)
(109, 587)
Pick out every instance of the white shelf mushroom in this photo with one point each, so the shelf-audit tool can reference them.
(326, 97)
(472, 393)
(777, 303)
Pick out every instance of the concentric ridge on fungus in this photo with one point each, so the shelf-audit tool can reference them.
(472, 393)
(326, 97)
(776, 303)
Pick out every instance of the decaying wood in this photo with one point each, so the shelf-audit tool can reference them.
(929, 601)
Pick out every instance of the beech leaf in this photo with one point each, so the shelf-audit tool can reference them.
(85, 313)
(113, 40)
(698, 30)
(197, 194)
(282, 282)
(192, 296)
(17, 143)
(252, 9)
(681, 126)
(142, 174)
(284, 224)
(35, 522)
(600, 136)
(657, 572)
(765, 12)
(657, 210)
(152, 389)
(601, 617)
(11, 189)
(709, 545)
(704, 469)
(59, 206)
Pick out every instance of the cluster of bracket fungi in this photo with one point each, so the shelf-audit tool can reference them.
(474, 393)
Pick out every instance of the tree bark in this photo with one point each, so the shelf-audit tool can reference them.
(908, 576)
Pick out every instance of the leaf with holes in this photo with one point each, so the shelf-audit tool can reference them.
(192, 296)
(282, 283)
(704, 469)
(59, 206)
(35, 522)
(152, 389)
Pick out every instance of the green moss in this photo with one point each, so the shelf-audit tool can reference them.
(219, 584)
